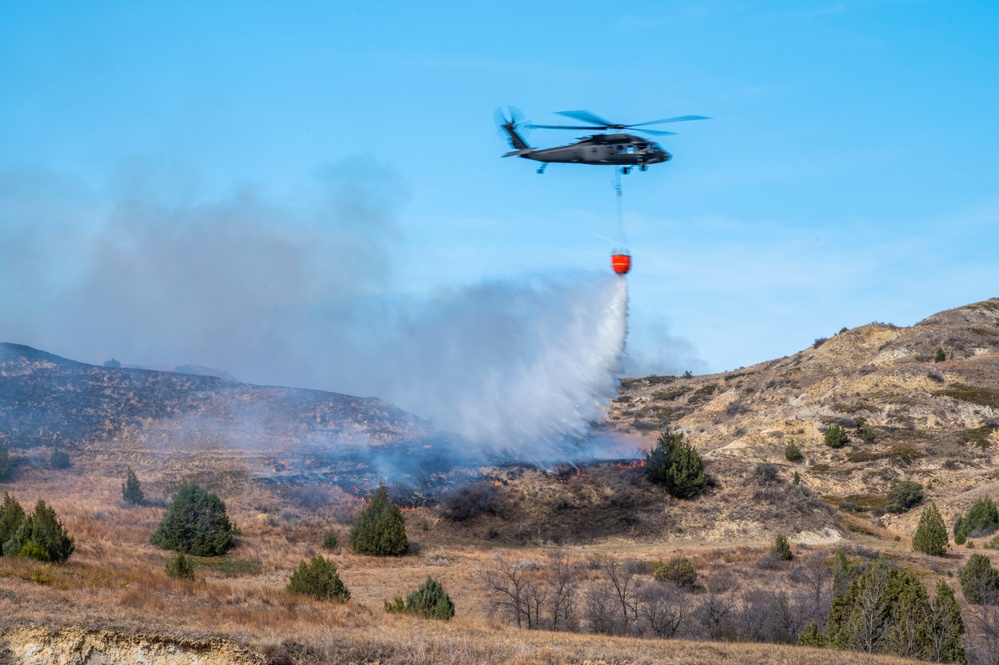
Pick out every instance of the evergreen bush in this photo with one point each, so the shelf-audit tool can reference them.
(181, 567)
(330, 542)
(903, 496)
(380, 529)
(812, 636)
(196, 523)
(678, 570)
(131, 489)
(945, 627)
(5, 463)
(781, 548)
(430, 601)
(981, 519)
(318, 579)
(885, 609)
(979, 580)
(676, 466)
(931, 534)
(836, 437)
(939, 356)
(41, 536)
(59, 459)
(792, 453)
(11, 516)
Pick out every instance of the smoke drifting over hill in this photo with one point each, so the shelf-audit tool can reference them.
(302, 295)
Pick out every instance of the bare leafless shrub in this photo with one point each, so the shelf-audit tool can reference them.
(983, 634)
(620, 577)
(508, 584)
(751, 616)
(715, 612)
(815, 578)
(601, 612)
(662, 607)
(531, 594)
(771, 615)
(562, 582)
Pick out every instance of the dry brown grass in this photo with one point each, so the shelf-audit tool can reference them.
(116, 579)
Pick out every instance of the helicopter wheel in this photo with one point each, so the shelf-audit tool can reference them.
(625, 170)
(643, 167)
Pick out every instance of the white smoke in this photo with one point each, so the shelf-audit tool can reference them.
(301, 294)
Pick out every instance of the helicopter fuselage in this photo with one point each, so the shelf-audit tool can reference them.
(602, 149)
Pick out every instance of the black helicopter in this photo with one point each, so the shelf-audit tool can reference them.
(624, 150)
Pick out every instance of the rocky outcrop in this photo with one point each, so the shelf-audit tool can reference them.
(37, 645)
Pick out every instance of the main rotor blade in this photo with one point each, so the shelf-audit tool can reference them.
(679, 118)
(563, 127)
(656, 132)
(586, 116)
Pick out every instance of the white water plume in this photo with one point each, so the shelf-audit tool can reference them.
(517, 367)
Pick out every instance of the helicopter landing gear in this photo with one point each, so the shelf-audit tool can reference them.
(625, 170)
(541, 169)
(643, 167)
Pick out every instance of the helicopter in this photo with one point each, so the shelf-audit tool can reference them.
(624, 150)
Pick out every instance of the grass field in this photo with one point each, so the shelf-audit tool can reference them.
(116, 579)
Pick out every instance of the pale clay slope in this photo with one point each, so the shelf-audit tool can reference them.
(880, 372)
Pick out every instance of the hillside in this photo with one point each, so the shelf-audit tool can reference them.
(908, 417)
(295, 465)
(49, 400)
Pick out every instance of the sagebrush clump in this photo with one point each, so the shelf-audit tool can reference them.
(678, 570)
(380, 530)
(903, 496)
(318, 579)
(196, 523)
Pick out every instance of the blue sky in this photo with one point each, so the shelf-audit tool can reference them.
(849, 173)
